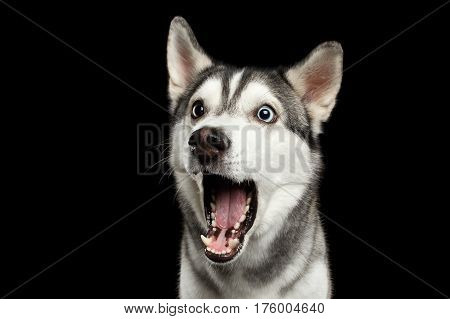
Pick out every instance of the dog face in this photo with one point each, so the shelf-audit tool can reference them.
(244, 141)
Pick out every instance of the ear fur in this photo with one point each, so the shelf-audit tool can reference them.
(185, 57)
(317, 80)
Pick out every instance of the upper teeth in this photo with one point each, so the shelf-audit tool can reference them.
(242, 218)
(213, 206)
(246, 209)
(249, 199)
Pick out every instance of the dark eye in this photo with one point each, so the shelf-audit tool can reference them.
(197, 109)
(266, 114)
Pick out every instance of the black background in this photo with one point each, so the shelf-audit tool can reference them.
(69, 141)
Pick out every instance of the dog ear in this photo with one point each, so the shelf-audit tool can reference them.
(185, 57)
(317, 80)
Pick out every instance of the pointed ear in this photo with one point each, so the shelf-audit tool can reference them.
(317, 80)
(185, 57)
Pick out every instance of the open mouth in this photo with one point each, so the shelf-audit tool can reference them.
(230, 210)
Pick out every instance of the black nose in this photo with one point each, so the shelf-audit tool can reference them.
(208, 143)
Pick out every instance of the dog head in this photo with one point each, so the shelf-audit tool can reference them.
(244, 140)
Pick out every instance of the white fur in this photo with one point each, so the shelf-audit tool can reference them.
(211, 94)
(253, 146)
(276, 159)
(234, 82)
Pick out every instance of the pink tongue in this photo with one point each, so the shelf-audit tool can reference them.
(219, 243)
(230, 204)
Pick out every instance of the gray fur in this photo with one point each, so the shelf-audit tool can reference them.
(294, 262)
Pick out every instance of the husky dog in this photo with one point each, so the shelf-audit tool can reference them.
(245, 153)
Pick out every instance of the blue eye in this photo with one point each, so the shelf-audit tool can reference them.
(266, 114)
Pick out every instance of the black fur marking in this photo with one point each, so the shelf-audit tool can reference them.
(225, 78)
(243, 82)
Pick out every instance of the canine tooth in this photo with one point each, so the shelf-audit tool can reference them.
(214, 229)
(213, 206)
(205, 240)
(236, 226)
(246, 209)
(232, 243)
(242, 218)
(249, 199)
(214, 224)
(213, 216)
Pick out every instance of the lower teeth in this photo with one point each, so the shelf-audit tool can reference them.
(232, 243)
